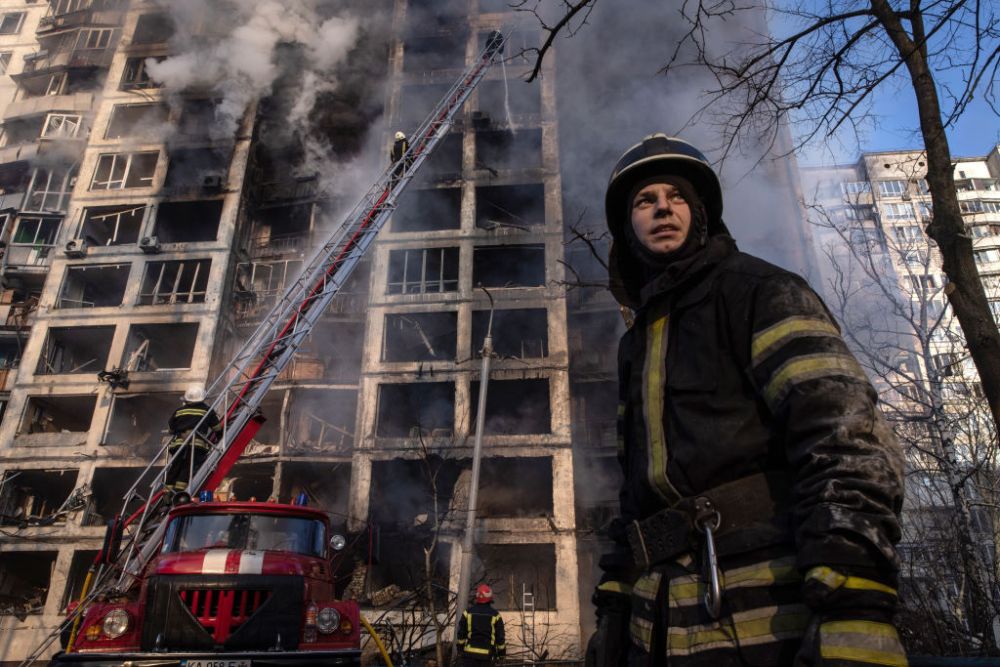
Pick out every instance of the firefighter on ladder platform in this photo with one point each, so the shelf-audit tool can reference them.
(400, 146)
(194, 413)
(480, 631)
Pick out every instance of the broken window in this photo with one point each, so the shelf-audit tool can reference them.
(428, 210)
(400, 563)
(21, 131)
(36, 232)
(197, 119)
(94, 39)
(10, 357)
(58, 414)
(444, 164)
(282, 229)
(592, 350)
(513, 407)
(253, 481)
(116, 171)
(78, 569)
(416, 102)
(496, 97)
(402, 495)
(510, 208)
(112, 225)
(513, 487)
(598, 480)
(109, 486)
(595, 414)
(344, 337)
(258, 284)
(514, 569)
(423, 270)
(50, 189)
(94, 286)
(505, 149)
(322, 422)
(509, 266)
(160, 347)
(327, 485)
(518, 333)
(420, 337)
(61, 125)
(35, 497)
(429, 15)
(75, 350)
(188, 221)
(204, 168)
(175, 282)
(25, 577)
(153, 28)
(147, 121)
(417, 409)
(138, 422)
(423, 54)
(135, 76)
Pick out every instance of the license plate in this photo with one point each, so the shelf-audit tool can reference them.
(216, 663)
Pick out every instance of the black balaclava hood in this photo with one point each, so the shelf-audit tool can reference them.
(654, 263)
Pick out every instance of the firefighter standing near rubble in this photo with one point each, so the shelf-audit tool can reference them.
(480, 634)
(759, 511)
(194, 413)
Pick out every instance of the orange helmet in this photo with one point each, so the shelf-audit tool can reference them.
(484, 594)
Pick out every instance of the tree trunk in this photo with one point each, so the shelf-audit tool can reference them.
(964, 290)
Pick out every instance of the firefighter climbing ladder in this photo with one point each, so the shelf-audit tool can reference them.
(241, 386)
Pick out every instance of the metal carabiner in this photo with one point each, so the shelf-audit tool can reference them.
(707, 520)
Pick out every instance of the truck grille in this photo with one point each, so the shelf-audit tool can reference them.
(221, 612)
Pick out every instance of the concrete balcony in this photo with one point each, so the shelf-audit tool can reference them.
(84, 17)
(28, 257)
(33, 106)
(41, 61)
(19, 153)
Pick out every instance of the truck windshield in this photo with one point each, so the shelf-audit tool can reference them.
(254, 532)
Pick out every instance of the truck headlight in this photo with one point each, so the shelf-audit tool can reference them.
(337, 542)
(327, 620)
(115, 623)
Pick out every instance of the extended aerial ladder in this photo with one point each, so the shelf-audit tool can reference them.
(242, 385)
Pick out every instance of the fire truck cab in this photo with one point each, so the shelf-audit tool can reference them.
(234, 584)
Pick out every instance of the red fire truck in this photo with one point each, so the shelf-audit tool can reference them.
(234, 584)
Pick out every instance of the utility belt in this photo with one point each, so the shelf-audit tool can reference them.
(735, 517)
(199, 441)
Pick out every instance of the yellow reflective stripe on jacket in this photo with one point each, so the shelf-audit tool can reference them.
(869, 642)
(757, 626)
(473, 649)
(191, 412)
(493, 630)
(615, 587)
(834, 580)
(654, 381)
(770, 339)
(779, 571)
(809, 367)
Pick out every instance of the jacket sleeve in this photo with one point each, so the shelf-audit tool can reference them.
(462, 636)
(847, 466)
(500, 637)
(172, 423)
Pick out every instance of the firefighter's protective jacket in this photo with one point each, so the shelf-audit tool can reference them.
(735, 367)
(187, 417)
(480, 632)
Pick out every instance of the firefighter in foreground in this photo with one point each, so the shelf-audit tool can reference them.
(184, 420)
(759, 512)
(480, 631)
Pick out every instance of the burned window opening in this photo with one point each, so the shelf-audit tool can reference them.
(94, 286)
(175, 282)
(424, 54)
(425, 16)
(117, 171)
(160, 347)
(402, 494)
(496, 96)
(595, 414)
(592, 350)
(420, 337)
(509, 266)
(254, 481)
(138, 422)
(73, 350)
(510, 208)
(197, 120)
(282, 230)
(510, 569)
(428, 210)
(25, 577)
(188, 221)
(78, 569)
(345, 338)
(10, 358)
(416, 410)
(514, 407)
(422, 271)
(327, 485)
(50, 189)
(23, 130)
(415, 103)
(258, 284)
(513, 487)
(135, 76)
(197, 169)
(147, 121)
(444, 164)
(109, 487)
(58, 414)
(598, 480)
(112, 225)
(400, 563)
(322, 422)
(153, 28)
(36, 497)
(502, 149)
(521, 333)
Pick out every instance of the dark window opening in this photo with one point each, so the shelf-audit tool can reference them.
(518, 333)
(444, 164)
(78, 569)
(139, 422)
(327, 485)
(496, 96)
(197, 120)
(595, 413)
(514, 407)
(175, 282)
(124, 170)
(109, 486)
(415, 410)
(50, 189)
(428, 210)
(75, 350)
(160, 347)
(509, 266)
(423, 54)
(401, 564)
(402, 496)
(148, 121)
(196, 168)
(58, 414)
(36, 497)
(501, 149)
(416, 103)
(420, 337)
(25, 577)
(598, 479)
(188, 222)
(94, 286)
(153, 28)
(512, 569)
(592, 350)
(135, 76)
(505, 208)
(10, 358)
(425, 16)
(253, 481)
(112, 225)
(281, 230)
(515, 487)
(423, 270)
(258, 284)
(337, 347)
(322, 422)
(26, 130)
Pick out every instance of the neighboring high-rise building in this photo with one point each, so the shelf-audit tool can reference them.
(141, 237)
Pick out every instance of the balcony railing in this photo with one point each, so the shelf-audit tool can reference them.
(40, 60)
(32, 106)
(285, 244)
(27, 256)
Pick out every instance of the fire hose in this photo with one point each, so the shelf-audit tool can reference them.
(377, 640)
